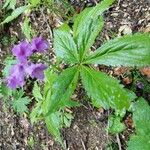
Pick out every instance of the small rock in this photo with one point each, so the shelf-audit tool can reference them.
(125, 30)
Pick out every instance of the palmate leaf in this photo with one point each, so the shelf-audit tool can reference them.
(104, 90)
(65, 46)
(63, 88)
(141, 119)
(130, 50)
(20, 105)
(87, 26)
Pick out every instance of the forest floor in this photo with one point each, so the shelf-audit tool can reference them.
(88, 129)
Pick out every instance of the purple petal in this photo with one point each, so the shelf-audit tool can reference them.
(15, 81)
(17, 70)
(22, 51)
(140, 85)
(37, 71)
(39, 45)
(16, 76)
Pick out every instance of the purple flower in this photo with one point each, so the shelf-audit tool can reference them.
(36, 71)
(16, 77)
(140, 85)
(39, 45)
(22, 51)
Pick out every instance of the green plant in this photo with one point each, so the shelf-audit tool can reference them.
(27, 30)
(15, 98)
(57, 119)
(72, 46)
(31, 5)
(141, 118)
(20, 102)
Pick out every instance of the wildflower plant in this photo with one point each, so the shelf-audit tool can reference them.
(72, 46)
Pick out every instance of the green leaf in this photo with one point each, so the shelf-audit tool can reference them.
(15, 14)
(42, 107)
(17, 93)
(67, 118)
(130, 50)
(53, 124)
(5, 92)
(35, 2)
(70, 103)
(87, 26)
(9, 4)
(37, 92)
(50, 78)
(9, 62)
(36, 113)
(104, 90)
(115, 125)
(63, 88)
(53, 119)
(141, 118)
(27, 29)
(65, 46)
(20, 105)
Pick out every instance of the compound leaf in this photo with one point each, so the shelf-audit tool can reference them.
(141, 119)
(20, 105)
(87, 26)
(104, 90)
(130, 50)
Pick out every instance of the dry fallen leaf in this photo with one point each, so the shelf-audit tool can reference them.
(101, 110)
(120, 71)
(145, 71)
(127, 80)
(146, 29)
(129, 122)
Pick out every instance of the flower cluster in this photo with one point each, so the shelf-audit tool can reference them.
(24, 67)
